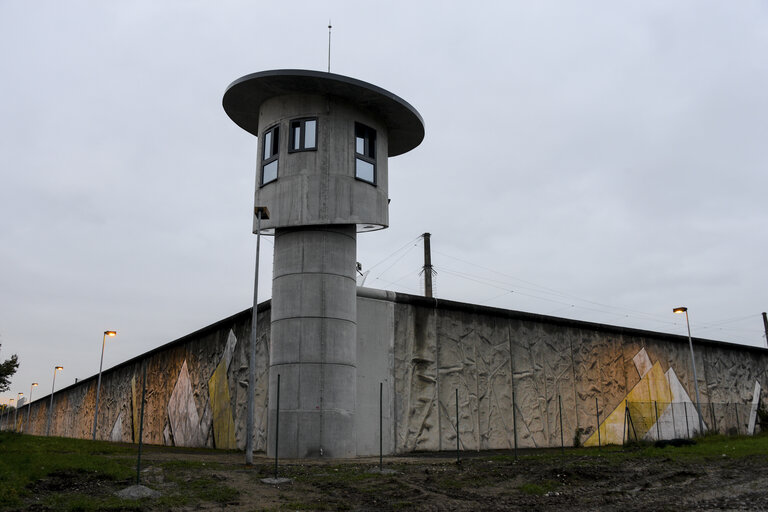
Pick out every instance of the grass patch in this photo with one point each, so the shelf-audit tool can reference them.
(26, 460)
(79, 502)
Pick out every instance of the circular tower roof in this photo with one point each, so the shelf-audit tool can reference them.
(244, 97)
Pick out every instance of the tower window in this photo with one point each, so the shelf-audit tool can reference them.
(365, 153)
(271, 140)
(303, 135)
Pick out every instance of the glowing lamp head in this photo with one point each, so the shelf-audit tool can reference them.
(680, 310)
(59, 368)
(110, 333)
(34, 384)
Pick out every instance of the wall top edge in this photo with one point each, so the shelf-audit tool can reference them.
(435, 303)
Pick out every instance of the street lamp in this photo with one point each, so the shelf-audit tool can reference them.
(261, 212)
(29, 404)
(16, 412)
(50, 407)
(111, 334)
(678, 311)
(8, 415)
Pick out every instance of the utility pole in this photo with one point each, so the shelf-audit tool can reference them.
(765, 324)
(427, 270)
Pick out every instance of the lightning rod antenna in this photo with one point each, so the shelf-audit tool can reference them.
(329, 45)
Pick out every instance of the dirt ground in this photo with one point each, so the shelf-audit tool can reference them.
(489, 481)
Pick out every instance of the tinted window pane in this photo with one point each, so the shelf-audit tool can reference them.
(297, 136)
(371, 144)
(270, 172)
(309, 138)
(360, 145)
(267, 145)
(364, 170)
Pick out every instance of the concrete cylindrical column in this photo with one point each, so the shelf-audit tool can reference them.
(314, 337)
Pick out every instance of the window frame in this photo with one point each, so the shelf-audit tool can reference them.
(302, 123)
(369, 150)
(274, 133)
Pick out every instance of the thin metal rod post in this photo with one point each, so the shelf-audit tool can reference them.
(29, 406)
(560, 413)
(624, 432)
(658, 428)
(141, 423)
(514, 421)
(329, 46)
(597, 413)
(765, 325)
(98, 387)
(674, 424)
(250, 406)
(687, 427)
(50, 407)
(695, 379)
(381, 426)
(458, 459)
(277, 422)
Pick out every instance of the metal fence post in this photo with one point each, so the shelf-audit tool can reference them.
(736, 408)
(597, 413)
(624, 428)
(687, 428)
(674, 425)
(458, 460)
(560, 412)
(514, 421)
(658, 428)
(141, 422)
(381, 426)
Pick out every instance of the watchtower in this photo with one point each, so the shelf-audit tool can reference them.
(324, 140)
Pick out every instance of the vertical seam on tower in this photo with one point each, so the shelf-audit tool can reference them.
(322, 335)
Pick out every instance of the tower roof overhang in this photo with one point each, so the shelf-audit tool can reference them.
(243, 99)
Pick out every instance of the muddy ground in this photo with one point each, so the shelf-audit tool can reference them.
(629, 481)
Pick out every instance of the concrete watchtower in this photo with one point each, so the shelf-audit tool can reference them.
(324, 140)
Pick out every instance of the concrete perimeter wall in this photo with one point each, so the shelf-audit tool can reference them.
(413, 354)
(553, 364)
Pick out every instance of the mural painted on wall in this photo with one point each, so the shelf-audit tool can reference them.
(189, 427)
(657, 407)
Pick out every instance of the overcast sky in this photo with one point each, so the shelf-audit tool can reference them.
(603, 161)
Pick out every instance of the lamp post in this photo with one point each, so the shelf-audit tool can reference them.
(50, 407)
(29, 404)
(8, 415)
(16, 412)
(111, 334)
(261, 212)
(678, 311)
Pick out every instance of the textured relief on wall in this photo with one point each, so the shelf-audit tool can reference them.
(543, 365)
(218, 392)
(417, 420)
(135, 410)
(657, 407)
(474, 359)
